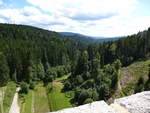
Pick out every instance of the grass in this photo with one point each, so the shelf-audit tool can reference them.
(2, 89)
(62, 78)
(57, 99)
(8, 96)
(129, 89)
(26, 106)
(40, 99)
(137, 69)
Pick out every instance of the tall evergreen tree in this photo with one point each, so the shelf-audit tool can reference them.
(95, 65)
(117, 64)
(82, 64)
(14, 76)
(40, 70)
(45, 62)
(28, 68)
(4, 70)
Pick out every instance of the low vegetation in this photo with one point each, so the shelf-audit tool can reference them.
(8, 97)
(27, 102)
(40, 99)
(57, 99)
(2, 91)
(132, 74)
(50, 97)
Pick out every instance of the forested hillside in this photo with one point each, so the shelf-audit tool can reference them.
(31, 54)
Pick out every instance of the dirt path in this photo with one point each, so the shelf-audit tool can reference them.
(33, 102)
(1, 99)
(15, 106)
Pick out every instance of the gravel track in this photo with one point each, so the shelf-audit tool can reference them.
(15, 106)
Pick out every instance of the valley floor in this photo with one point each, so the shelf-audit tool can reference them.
(41, 100)
(57, 98)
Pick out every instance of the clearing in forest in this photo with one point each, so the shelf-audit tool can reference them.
(40, 99)
(57, 99)
(27, 102)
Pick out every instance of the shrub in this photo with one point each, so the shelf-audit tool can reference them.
(67, 85)
(24, 87)
(140, 85)
(32, 85)
(88, 100)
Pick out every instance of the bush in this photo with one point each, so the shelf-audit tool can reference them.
(77, 93)
(48, 78)
(79, 79)
(140, 85)
(24, 87)
(88, 100)
(60, 71)
(67, 85)
(104, 92)
(69, 94)
(32, 85)
(95, 95)
(50, 88)
(84, 95)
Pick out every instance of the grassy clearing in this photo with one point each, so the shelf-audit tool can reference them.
(130, 75)
(26, 102)
(41, 102)
(57, 99)
(8, 96)
(2, 91)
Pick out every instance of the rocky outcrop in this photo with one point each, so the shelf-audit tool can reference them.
(137, 103)
(119, 108)
(95, 107)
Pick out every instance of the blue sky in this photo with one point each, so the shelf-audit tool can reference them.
(107, 18)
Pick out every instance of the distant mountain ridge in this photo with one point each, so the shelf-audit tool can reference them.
(97, 39)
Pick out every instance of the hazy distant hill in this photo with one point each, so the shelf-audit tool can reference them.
(97, 39)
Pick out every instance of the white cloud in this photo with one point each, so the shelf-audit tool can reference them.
(95, 17)
(118, 26)
(108, 27)
(28, 15)
(1, 2)
(89, 17)
(79, 9)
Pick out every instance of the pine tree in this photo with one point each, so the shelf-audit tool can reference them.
(45, 62)
(117, 64)
(95, 67)
(14, 76)
(40, 70)
(82, 64)
(28, 68)
(4, 70)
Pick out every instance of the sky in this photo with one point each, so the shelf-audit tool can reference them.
(107, 18)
